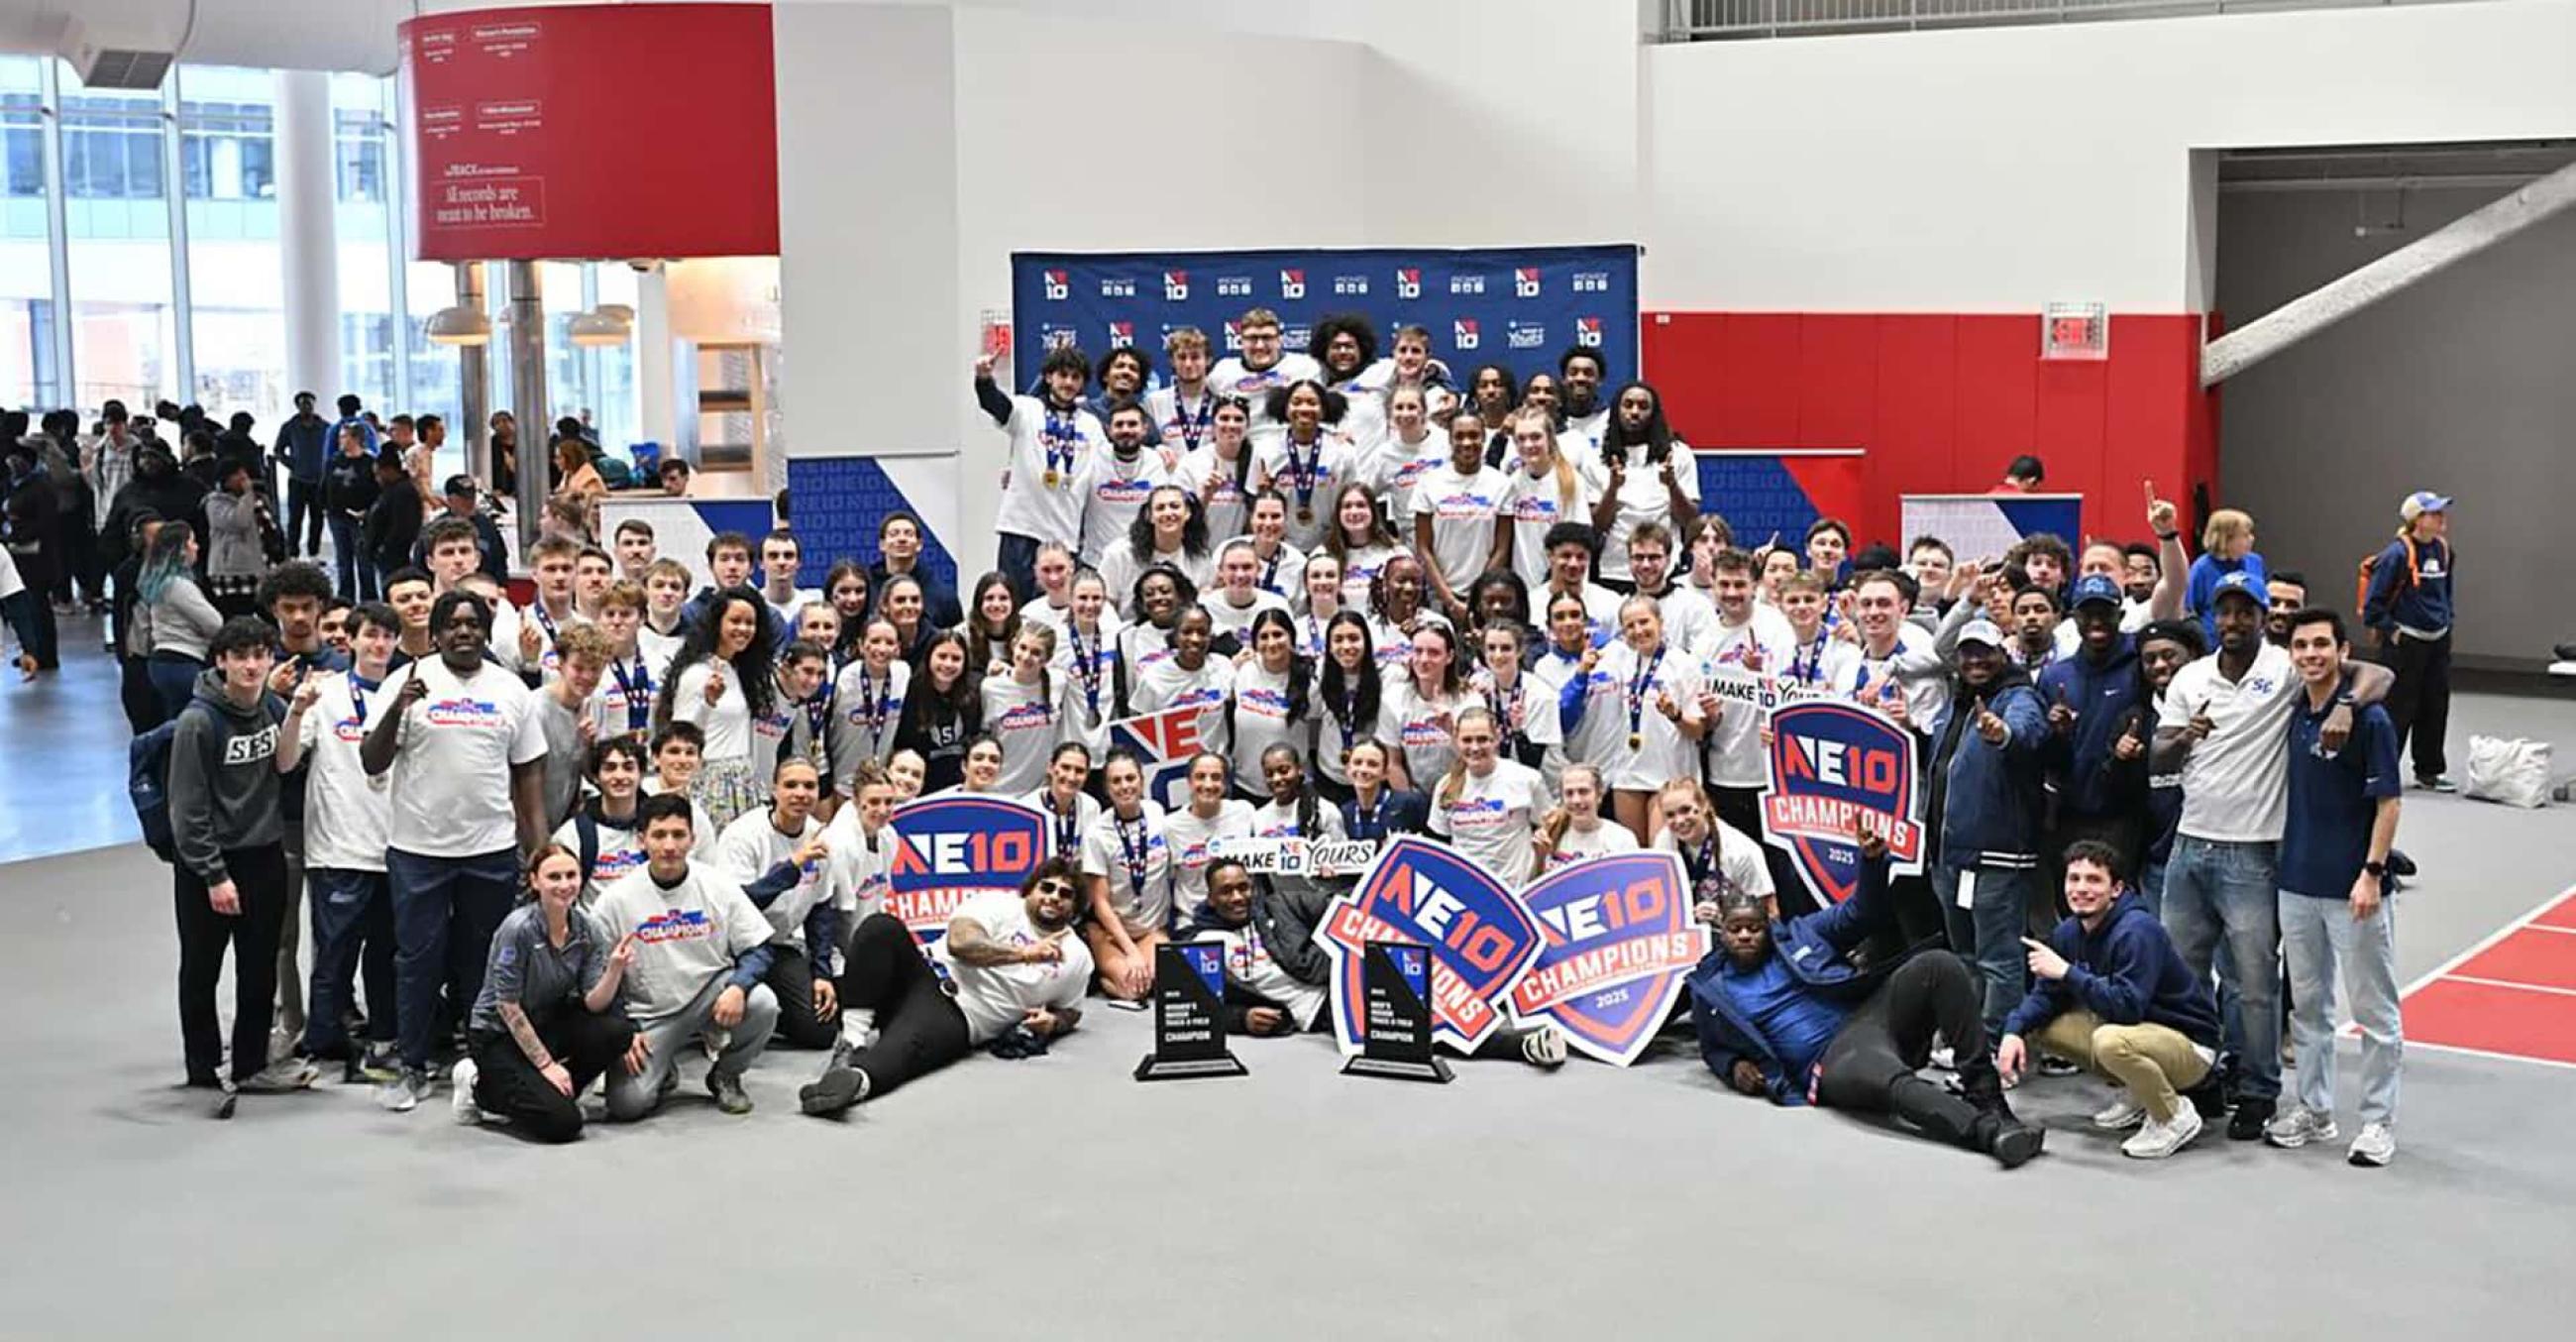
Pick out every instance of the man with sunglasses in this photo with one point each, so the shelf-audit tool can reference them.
(1009, 975)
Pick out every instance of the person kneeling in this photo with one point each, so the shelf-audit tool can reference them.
(2115, 996)
(1274, 972)
(1008, 977)
(1783, 1010)
(547, 1023)
(701, 949)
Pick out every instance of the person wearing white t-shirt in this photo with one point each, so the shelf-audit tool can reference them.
(1273, 700)
(623, 705)
(1453, 518)
(1417, 710)
(1411, 447)
(723, 681)
(1218, 471)
(869, 700)
(1087, 657)
(1114, 483)
(1183, 412)
(1524, 708)
(1068, 809)
(1817, 659)
(1746, 643)
(1306, 457)
(1238, 599)
(1263, 367)
(1648, 476)
(1052, 441)
(2225, 727)
(1660, 712)
(1028, 708)
(1282, 567)
(701, 951)
(1294, 811)
(1581, 369)
(1275, 974)
(1573, 685)
(665, 626)
(1168, 531)
(1411, 368)
(1487, 806)
(781, 859)
(346, 813)
(1191, 678)
(1547, 489)
(1010, 973)
(781, 559)
(1571, 549)
(603, 831)
(1345, 343)
(1689, 617)
(1717, 858)
(459, 737)
(1574, 831)
(1196, 830)
(1899, 668)
(1127, 868)
(1055, 568)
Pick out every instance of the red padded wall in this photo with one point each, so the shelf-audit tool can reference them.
(1943, 401)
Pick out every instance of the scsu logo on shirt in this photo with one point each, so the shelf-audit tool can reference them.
(251, 747)
(1525, 282)
(1058, 285)
(1408, 283)
(1466, 284)
(1525, 335)
(1587, 332)
(1176, 285)
(1462, 333)
(1292, 284)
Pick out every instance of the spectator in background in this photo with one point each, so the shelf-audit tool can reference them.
(33, 526)
(491, 556)
(348, 491)
(177, 621)
(420, 459)
(505, 453)
(572, 466)
(2406, 603)
(237, 526)
(675, 477)
(304, 445)
(2023, 476)
(2286, 594)
(393, 520)
(2227, 546)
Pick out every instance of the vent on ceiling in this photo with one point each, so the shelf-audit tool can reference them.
(113, 69)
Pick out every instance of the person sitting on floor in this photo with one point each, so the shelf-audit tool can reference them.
(1275, 973)
(548, 1022)
(2114, 995)
(1791, 1011)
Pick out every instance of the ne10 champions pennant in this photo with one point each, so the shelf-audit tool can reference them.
(950, 849)
(1832, 762)
(1618, 940)
(1479, 935)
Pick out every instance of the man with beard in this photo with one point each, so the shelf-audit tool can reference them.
(1581, 370)
(2092, 700)
(1784, 1010)
(1983, 805)
(1275, 972)
(2286, 594)
(1009, 975)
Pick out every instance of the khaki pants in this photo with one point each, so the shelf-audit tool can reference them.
(2153, 1061)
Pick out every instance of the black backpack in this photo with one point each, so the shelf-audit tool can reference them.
(147, 784)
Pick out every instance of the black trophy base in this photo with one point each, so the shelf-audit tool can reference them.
(1433, 1070)
(1152, 1068)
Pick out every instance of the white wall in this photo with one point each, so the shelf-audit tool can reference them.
(1931, 171)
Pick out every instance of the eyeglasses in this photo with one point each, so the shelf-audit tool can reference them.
(1054, 887)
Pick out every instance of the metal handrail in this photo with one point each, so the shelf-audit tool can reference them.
(1722, 20)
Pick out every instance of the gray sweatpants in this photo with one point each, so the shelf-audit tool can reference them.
(634, 1097)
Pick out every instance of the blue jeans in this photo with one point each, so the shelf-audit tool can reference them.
(350, 909)
(357, 572)
(2151, 885)
(1988, 935)
(174, 681)
(445, 912)
(2321, 937)
(2220, 894)
(1017, 558)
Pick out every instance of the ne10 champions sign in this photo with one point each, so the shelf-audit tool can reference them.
(1519, 307)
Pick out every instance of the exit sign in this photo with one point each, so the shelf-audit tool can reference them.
(2075, 331)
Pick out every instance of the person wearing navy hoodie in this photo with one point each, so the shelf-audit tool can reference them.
(2407, 603)
(1796, 1011)
(2092, 700)
(229, 877)
(1984, 807)
(2114, 995)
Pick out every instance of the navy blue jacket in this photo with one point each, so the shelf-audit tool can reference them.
(2127, 972)
(1985, 798)
(1400, 813)
(1816, 948)
(306, 443)
(2105, 699)
(2419, 598)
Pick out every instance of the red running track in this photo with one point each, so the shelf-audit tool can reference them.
(2512, 995)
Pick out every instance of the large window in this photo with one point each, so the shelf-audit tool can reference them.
(125, 320)
(28, 315)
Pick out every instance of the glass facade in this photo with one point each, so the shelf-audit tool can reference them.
(111, 288)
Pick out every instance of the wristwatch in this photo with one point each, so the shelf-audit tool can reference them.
(2378, 870)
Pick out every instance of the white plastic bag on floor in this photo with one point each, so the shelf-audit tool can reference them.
(2509, 769)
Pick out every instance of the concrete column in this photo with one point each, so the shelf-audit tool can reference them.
(528, 401)
(474, 396)
(658, 414)
(308, 243)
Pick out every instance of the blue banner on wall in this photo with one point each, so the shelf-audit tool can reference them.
(1519, 307)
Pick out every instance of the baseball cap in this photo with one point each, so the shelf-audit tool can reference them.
(2094, 587)
(2423, 501)
(460, 486)
(1981, 631)
(2242, 584)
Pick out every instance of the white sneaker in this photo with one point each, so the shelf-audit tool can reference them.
(2376, 1146)
(461, 1100)
(2297, 1126)
(2155, 1141)
(1543, 1048)
(1943, 1059)
(2120, 1115)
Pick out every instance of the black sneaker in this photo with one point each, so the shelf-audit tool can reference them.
(2246, 1124)
(834, 1092)
(225, 1103)
(729, 1094)
(2209, 1097)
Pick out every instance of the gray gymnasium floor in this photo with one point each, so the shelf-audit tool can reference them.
(1058, 1197)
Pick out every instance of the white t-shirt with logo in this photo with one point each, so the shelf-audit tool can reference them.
(751, 845)
(1030, 507)
(450, 784)
(1604, 839)
(1419, 727)
(1739, 860)
(1462, 510)
(1168, 684)
(686, 936)
(1135, 857)
(1029, 720)
(1643, 498)
(1193, 842)
(1229, 506)
(621, 848)
(1232, 378)
(1113, 492)
(1532, 504)
(1229, 618)
(2236, 783)
(1491, 818)
(1309, 480)
(856, 875)
(1733, 744)
(993, 998)
(1359, 569)
(1393, 467)
(346, 813)
(1262, 720)
(866, 710)
(1661, 753)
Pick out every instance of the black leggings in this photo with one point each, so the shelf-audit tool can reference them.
(919, 1028)
(507, 1086)
(259, 879)
(1869, 1068)
(791, 976)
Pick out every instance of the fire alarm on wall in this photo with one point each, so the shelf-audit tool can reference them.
(2075, 331)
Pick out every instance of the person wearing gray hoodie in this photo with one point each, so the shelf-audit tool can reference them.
(229, 880)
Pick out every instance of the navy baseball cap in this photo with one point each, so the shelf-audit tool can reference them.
(2097, 587)
(2242, 584)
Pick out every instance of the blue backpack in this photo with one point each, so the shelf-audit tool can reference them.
(147, 784)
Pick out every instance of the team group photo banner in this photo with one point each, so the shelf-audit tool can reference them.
(1516, 306)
